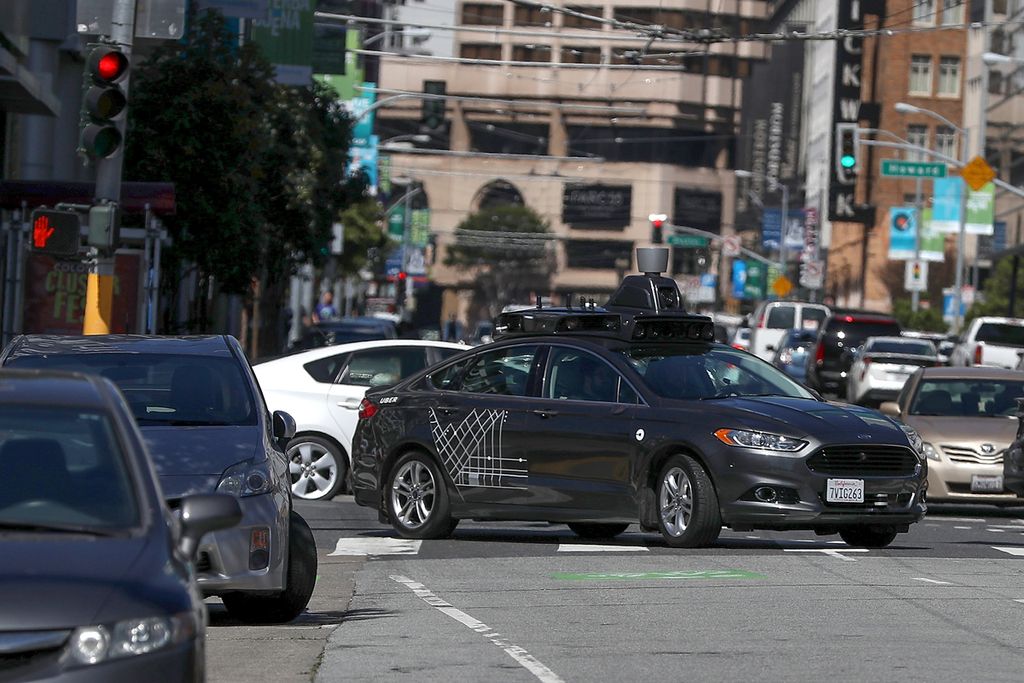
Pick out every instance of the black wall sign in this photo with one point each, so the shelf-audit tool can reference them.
(697, 209)
(597, 207)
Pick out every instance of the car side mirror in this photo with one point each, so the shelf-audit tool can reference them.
(284, 425)
(890, 408)
(202, 513)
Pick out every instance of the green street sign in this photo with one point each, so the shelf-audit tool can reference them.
(894, 168)
(706, 574)
(689, 241)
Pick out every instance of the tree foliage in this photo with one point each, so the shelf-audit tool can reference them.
(506, 250)
(924, 320)
(995, 298)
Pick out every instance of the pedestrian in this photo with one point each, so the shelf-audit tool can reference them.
(452, 330)
(325, 310)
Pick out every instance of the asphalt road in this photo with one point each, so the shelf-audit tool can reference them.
(532, 602)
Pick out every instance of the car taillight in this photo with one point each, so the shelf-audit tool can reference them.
(977, 354)
(367, 409)
(819, 354)
(738, 346)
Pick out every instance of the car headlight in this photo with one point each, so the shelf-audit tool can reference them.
(99, 643)
(929, 451)
(744, 438)
(246, 479)
(914, 438)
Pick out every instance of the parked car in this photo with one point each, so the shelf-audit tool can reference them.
(345, 330)
(791, 355)
(741, 339)
(828, 368)
(990, 341)
(772, 319)
(96, 580)
(882, 365)
(322, 389)
(965, 418)
(208, 430)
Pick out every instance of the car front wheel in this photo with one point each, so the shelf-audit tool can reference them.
(868, 536)
(688, 513)
(417, 498)
(316, 466)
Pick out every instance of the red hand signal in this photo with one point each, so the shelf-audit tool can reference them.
(41, 232)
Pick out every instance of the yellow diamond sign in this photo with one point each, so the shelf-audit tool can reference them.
(782, 286)
(977, 173)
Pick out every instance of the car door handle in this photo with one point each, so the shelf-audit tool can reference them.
(350, 403)
(544, 413)
(446, 410)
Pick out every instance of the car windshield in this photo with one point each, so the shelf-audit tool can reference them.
(62, 469)
(854, 333)
(914, 348)
(1001, 334)
(691, 372)
(964, 398)
(181, 390)
(781, 318)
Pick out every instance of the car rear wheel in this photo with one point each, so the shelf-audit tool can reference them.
(868, 536)
(316, 466)
(688, 514)
(589, 530)
(417, 498)
(300, 579)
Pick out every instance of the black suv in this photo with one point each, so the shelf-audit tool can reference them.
(841, 334)
(599, 418)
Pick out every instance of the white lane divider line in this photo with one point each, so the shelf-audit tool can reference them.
(524, 658)
(1017, 551)
(591, 548)
(963, 527)
(937, 583)
(1020, 601)
(376, 546)
(997, 531)
(831, 552)
(1016, 527)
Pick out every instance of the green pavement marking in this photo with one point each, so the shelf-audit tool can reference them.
(706, 574)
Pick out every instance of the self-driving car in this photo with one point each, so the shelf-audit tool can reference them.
(603, 417)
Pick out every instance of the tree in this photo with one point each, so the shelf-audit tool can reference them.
(925, 319)
(508, 251)
(996, 293)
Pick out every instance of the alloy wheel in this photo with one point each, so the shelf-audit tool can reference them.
(675, 501)
(313, 470)
(412, 494)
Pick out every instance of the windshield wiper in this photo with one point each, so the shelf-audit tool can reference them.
(732, 393)
(58, 528)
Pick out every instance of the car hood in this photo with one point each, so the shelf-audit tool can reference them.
(198, 451)
(56, 581)
(800, 417)
(999, 431)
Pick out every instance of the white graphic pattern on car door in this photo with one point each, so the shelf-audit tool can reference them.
(472, 451)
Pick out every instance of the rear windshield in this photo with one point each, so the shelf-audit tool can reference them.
(781, 318)
(63, 467)
(1001, 333)
(813, 317)
(911, 348)
(854, 333)
(182, 390)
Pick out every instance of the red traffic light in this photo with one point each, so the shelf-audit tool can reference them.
(107, 65)
(402, 275)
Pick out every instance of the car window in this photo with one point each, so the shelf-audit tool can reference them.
(781, 318)
(63, 466)
(1001, 333)
(503, 372)
(962, 398)
(326, 369)
(581, 376)
(447, 378)
(382, 367)
(812, 318)
(183, 390)
(909, 347)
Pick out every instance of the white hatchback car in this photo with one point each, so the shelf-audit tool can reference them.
(882, 365)
(322, 389)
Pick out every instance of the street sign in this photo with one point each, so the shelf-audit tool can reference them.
(731, 246)
(690, 241)
(811, 274)
(977, 173)
(894, 168)
(915, 278)
(782, 286)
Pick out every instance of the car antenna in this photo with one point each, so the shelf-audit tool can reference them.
(539, 302)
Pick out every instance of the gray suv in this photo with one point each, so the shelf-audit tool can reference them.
(207, 429)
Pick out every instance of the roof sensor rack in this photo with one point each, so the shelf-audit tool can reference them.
(651, 292)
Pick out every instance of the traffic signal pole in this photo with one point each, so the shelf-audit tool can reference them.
(99, 300)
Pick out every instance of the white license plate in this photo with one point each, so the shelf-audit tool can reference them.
(844, 491)
(986, 483)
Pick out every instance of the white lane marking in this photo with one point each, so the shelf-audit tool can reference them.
(997, 531)
(376, 546)
(1018, 527)
(974, 520)
(831, 552)
(1020, 601)
(963, 527)
(588, 548)
(1016, 551)
(524, 658)
(937, 583)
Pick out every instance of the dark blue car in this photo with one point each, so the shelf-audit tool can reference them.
(791, 355)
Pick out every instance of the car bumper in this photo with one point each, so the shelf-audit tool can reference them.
(831, 381)
(888, 500)
(184, 662)
(226, 562)
(951, 483)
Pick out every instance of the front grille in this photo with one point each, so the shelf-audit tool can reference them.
(970, 455)
(865, 461)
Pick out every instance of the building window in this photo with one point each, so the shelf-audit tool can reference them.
(531, 53)
(952, 12)
(921, 75)
(917, 135)
(531, 16)
(483, 14)
(600, 254)
(949, 76)
(581, 55)
(570, 21)
(945, 141)
(480, 51)
(924, 12)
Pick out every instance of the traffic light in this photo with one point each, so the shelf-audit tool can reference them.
(432, 115)
(657, 227)
(56, 233)
(847, 147)
(103, 102)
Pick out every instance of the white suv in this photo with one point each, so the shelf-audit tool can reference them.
(772, 319)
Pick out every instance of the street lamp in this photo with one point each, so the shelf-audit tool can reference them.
(958, 294)
(742, 173)
(993, 58)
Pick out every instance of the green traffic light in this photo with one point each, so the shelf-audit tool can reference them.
(848, 161)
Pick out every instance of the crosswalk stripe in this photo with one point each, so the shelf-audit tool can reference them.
(376, 546)
(590, 548)
(1016, 551)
